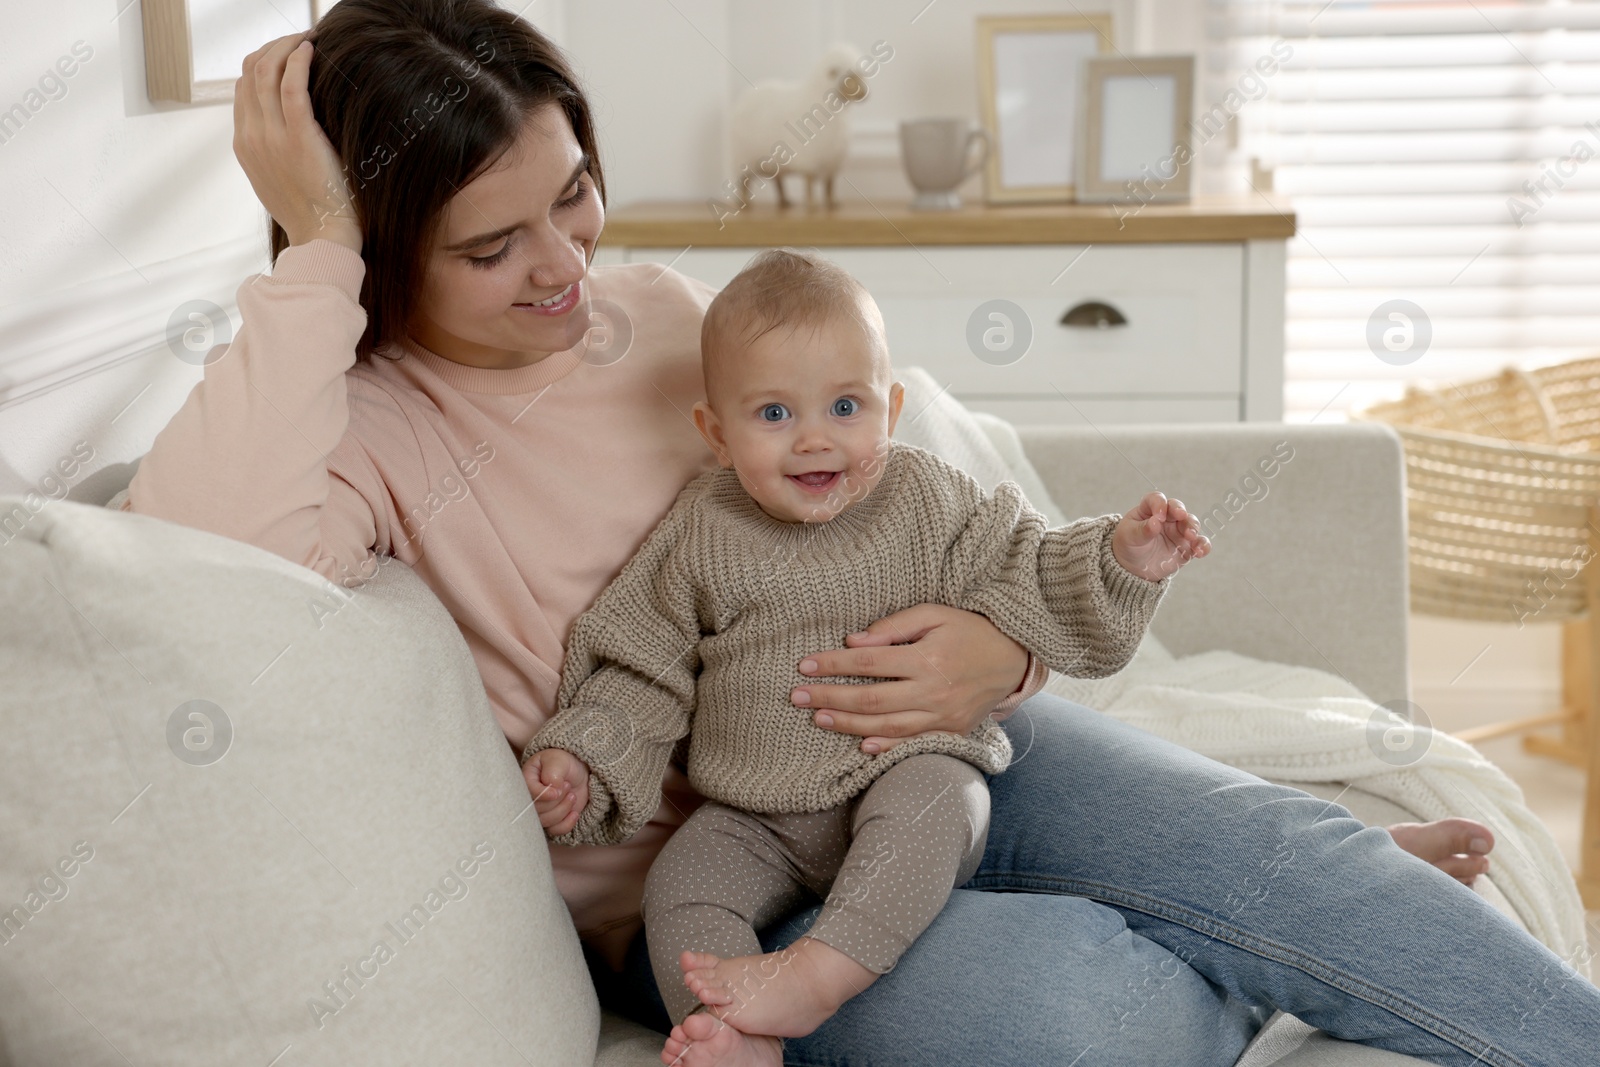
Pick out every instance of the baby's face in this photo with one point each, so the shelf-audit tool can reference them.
(803, 416)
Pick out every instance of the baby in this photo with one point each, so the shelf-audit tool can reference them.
(817, 525)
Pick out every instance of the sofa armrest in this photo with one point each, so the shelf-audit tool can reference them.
(1308, 563)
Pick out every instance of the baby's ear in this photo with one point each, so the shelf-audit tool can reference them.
(710, 427)
(897, 397)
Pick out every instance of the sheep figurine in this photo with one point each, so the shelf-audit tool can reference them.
(779, 127)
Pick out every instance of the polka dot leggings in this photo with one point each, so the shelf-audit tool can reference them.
(884, 863)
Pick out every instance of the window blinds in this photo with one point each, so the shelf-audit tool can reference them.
(1443, 160)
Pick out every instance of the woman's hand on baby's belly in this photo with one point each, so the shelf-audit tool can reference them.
(948, 669)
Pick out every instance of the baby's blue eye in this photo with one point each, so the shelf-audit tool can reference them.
(774, 413)
(845, 406)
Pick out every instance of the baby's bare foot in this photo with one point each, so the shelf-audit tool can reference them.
(1448, 844)
(702, 1040)
(783, 994)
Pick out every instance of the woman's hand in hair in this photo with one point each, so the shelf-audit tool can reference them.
(291, 164)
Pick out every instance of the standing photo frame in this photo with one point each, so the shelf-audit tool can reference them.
(1029, 79)
(194, 49)
(1134, 129)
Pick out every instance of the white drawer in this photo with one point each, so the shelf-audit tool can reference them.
(1106, 411)
(1183, 304)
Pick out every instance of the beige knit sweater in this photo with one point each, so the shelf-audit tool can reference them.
(701, 634)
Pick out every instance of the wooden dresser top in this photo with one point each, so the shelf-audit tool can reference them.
(858, 223)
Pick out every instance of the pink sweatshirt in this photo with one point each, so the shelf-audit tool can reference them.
(516, 495)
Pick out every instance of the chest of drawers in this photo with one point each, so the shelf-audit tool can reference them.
(1062, 314)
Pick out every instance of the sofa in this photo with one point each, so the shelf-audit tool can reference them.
(251, 817)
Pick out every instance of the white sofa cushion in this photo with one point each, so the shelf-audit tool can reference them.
(179, 908)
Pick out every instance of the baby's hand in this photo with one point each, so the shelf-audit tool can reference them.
(559, 784)
(1157, 537)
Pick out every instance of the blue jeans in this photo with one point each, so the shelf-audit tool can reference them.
(1142, 904)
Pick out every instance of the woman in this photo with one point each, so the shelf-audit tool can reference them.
(414, 378)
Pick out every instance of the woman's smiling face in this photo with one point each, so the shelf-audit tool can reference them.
(519, 235)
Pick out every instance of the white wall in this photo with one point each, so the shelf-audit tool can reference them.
(105, 201)
(1472, 673)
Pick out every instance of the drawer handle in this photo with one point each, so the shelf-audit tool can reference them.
(1093, 314)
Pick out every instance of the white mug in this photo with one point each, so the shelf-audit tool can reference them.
(937, 157)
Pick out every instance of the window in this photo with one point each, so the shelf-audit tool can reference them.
(1443, 160)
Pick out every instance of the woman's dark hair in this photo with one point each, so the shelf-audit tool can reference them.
(419, 97)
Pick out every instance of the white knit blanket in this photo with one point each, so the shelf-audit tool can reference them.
(1292, 724)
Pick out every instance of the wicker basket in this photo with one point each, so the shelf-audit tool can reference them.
(1501, 475)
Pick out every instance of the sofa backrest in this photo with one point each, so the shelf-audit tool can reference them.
(1308, 561)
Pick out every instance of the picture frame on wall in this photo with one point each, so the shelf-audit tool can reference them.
(194, 49)
(1134, 129)
(1029, 78)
